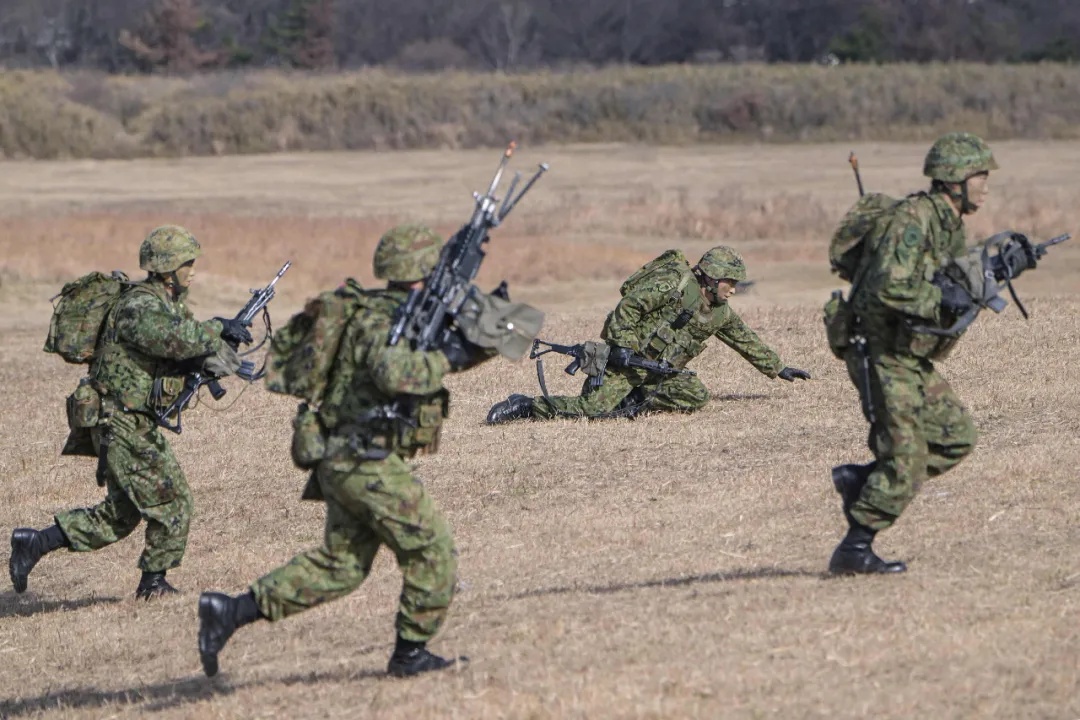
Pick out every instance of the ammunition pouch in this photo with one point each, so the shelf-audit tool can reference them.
(83, 413)
(309, 438)
(839, 317)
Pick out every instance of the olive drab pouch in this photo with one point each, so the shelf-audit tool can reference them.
(839, 324)
(489, 321)
(309, 438)
(79, 312)
(427, 416)
(83, 413)
(859, 223)
(302, 353)
(596, 357)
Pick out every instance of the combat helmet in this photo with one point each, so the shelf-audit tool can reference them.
(167, 248)
(407, 253)
(722, 263)
(955, 157)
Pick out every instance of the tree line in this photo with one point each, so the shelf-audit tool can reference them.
(182, 37)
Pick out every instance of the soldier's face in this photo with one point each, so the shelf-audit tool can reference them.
(185, 274)
(978, 189)
(718, 291)
(725, 289)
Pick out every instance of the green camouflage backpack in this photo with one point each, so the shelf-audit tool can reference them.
(79, 311)
(670, 259)
(849, 240)
(300, 362)
(302, 353)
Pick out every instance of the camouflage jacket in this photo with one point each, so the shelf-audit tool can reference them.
(648, 321)
(147, 336)
(369, 374)
(895, 292)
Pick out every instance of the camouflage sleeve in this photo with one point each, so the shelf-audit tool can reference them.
(144, 322)
(624, 325)
(903, 280)
(739, 337)
(397, 369)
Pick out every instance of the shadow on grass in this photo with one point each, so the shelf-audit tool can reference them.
(14, 605)
(164, 695)
(683, 581)
(733, 397)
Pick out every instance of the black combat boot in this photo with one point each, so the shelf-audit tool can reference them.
(515, 407)
(854, 556)
(154, 585)
(27, 547)
(219, 617)
(849, 481)
(412, 658)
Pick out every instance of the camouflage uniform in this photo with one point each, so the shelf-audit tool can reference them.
(148, 337)
(920, 428)
(149, 341)
(646, 321)
(371, 495)
(379, 407)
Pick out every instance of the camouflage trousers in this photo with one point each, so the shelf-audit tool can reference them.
(370, 504)
(143, 482)
(673, 393)
(921, 430)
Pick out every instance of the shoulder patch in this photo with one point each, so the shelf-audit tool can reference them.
(912, 236)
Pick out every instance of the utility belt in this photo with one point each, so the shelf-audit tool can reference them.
(372, 443)
(406, 428)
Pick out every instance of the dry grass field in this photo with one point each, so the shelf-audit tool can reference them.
(669, 567)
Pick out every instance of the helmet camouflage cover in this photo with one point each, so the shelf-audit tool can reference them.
(957, 156)
(166, 248)
(722, 263)
(407, 253)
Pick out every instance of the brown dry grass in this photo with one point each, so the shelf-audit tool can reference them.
(668, 567)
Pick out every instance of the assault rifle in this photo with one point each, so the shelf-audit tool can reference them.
(988, 273)
(426, 317)
(194, 381)
(594, 357)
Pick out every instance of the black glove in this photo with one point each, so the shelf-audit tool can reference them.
(461, 353)
(502, 292)
(954, 298)
(234, 332)
(792, 374)
(1016, 256)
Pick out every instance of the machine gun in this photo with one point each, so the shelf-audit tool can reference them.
(194, 381)
(426, 317)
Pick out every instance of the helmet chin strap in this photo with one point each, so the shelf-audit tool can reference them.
(966, 206)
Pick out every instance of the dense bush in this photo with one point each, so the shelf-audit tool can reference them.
(44, 114)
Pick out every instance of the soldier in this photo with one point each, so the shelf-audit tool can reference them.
(149, 341)
(919, 428)
(667, 315)
(364, 474)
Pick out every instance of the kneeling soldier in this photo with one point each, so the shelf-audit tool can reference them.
(667, 313)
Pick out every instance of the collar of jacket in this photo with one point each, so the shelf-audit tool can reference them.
(950, 219)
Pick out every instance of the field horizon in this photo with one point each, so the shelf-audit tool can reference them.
(667, 567)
